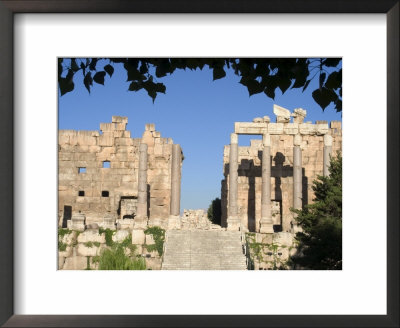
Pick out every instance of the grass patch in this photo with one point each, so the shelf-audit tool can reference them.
(115, 259)
(108, 235)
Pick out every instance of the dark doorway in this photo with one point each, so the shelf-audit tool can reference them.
(67, 215)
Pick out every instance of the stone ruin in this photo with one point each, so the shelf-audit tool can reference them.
(108, 179)
(264, 180)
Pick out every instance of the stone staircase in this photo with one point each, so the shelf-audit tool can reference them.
(203, 250)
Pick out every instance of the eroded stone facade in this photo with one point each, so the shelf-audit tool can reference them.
(284, 139)
(99, 175)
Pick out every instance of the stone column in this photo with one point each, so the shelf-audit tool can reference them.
(233, 221)
(297, 178)
(141, 214)
(174, 219)
(327, 153)
(266, 224)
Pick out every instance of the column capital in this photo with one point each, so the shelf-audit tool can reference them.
(297, 140)
(234, 138)
(143, 147)
(266, 140)
(328, 140)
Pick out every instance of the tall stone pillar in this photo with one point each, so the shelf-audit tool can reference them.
(297, 178)
(233, 222)
(174, 219)
(327, 153)
(266, 224)
(141, 213)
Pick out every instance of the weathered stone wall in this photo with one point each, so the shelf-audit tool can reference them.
(86, 186)
(79, 250)
(249, 176)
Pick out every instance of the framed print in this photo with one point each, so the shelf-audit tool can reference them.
(34, 35)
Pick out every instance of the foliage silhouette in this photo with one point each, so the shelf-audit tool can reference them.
(258, 75)
(214, 211)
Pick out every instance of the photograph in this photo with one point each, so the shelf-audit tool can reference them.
(199, 163)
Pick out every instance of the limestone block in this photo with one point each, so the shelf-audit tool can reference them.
(158, 201)
(258, 120)
(283, 238)
(307, 128)
(66, 253)
(69, 238)
(86, 140)
(153, 254)
(75, 263)
(321, 129)
(153, 263)
(336, 125)
(148, 139)
(105, 140)
(120, 236)
(250, 128)
(84, 250)
(126, 134)
(123, 142)
(150, 127)
(282, 114)
(119, 119)
(149, 240)
(158, 149)
(138, 237)
(275, 128)
(125, 224)
(91, 235)
(299, 114)
(266, 119)
(61, 260)
(291, 128)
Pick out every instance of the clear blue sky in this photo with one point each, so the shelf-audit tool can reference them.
(195, 112)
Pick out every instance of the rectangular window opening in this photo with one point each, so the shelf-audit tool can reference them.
(81, 193)
(81, 169)
(106, 164)
(105, 193)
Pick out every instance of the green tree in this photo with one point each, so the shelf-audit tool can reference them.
(320, 242)
(258, 75)
(214, 211)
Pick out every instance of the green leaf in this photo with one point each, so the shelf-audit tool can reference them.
(331, 62)
(218, 73)
(109, 69)
(135, 86)
(92, 65)
(324, 97)
(254, 87)
(334, 80)
(99, 77)
(88, 81)
(134, 74)
(270, 92)
(66, 85)
(163, 68)
(74, 65)
(159, 87)
(284, 84)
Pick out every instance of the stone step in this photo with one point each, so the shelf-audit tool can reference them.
(203, 250)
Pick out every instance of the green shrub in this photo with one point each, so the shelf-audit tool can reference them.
(115, 259)
(214, 211)
(158, 236)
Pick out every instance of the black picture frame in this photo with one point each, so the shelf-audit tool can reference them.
(10, 7)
